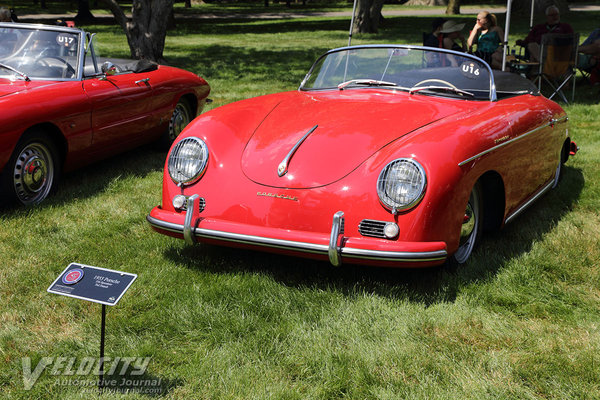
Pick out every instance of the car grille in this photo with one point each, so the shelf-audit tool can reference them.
(369, 227)
(201, 205)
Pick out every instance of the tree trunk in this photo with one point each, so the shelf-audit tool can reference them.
(453, 7)
(83, 12)
(188, 3)
(368, 16)
(147, 30)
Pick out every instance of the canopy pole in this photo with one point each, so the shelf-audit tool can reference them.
(531, 15)
(352, 23)
(506, 28)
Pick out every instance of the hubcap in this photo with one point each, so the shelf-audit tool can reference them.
(179, 121)
(468, 230)
(468, 225)
(33, 174)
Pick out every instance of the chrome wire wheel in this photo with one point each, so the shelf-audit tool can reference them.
(33, 173)
(470, 228)
(179, 120)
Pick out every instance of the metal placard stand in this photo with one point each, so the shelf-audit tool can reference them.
(98, 285)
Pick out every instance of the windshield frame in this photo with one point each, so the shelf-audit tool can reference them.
(81, 46)
(492, 85)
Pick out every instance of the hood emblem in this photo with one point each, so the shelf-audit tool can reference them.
(277, 196)
(282, 169)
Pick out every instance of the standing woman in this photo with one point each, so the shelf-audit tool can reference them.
(488, 37)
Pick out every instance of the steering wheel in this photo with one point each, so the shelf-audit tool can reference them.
(68, 72)
(435, 81)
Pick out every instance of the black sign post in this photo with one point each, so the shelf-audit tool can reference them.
(99, 285)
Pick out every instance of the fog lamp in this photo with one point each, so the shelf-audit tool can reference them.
(391, 230)
(179, 201)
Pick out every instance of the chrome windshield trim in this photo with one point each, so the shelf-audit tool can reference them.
(282, 169)
(493, 94)
(483, 153)
(522, 208)
(399, 256)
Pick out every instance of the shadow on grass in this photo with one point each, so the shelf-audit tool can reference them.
(144, 384)
(97, 177)
(427, 286)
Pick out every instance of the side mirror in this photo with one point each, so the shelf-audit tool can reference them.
(109, 69)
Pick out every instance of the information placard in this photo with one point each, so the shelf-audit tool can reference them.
(100, 285)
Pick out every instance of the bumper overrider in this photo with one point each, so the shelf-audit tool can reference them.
(334, 246)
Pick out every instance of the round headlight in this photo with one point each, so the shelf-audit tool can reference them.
(401, 184)
(188, 160)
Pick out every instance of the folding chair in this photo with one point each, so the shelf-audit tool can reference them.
(558, 60)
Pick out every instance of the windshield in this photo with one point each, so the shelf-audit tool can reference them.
(38, 52)
(413, 69)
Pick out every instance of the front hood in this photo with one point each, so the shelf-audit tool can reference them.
(351, 126)
(8, 87)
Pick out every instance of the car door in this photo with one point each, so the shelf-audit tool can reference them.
(121, 109)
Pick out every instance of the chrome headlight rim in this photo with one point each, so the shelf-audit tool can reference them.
(197, 171)
(386, 200)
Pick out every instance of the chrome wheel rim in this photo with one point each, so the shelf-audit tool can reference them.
(33, 174)
(179, 121)
(469, 229)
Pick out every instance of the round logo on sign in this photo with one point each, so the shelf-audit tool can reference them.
(73, 276)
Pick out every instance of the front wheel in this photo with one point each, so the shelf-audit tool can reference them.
(181, 117)
(471, 227)
(32, 171)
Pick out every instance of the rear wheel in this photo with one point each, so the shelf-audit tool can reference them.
(471, 227)
(32, 171)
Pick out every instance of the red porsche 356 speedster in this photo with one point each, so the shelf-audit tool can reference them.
(386, 155)
(61, 106)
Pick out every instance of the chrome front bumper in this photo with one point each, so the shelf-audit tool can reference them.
(337, 249)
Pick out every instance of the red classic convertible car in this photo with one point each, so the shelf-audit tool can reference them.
(386, 155)
(62, 107)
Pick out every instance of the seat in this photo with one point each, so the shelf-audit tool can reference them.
(558, 60)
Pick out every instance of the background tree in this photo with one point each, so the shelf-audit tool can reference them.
(147, 29)
(453, 7)
(83, 11)
(368, 16)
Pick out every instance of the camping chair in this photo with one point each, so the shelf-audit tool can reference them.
(558, 60)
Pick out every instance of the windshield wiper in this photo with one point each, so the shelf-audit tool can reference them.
(441, 89)
(368, 82)
(8, 67)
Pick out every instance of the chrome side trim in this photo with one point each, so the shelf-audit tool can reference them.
(282, 169)
(191, 216)
(337, 232)
(304, 247)
(552, 122)
(519, 210)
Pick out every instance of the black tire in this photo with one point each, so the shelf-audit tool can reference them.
(33, 170)
(471, 227)
(181, 117)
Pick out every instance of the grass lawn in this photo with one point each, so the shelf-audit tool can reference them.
(520, 321)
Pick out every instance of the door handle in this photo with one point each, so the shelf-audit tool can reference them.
(145, 80)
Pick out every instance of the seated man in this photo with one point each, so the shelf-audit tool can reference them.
(589, 60)
(534, 38)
